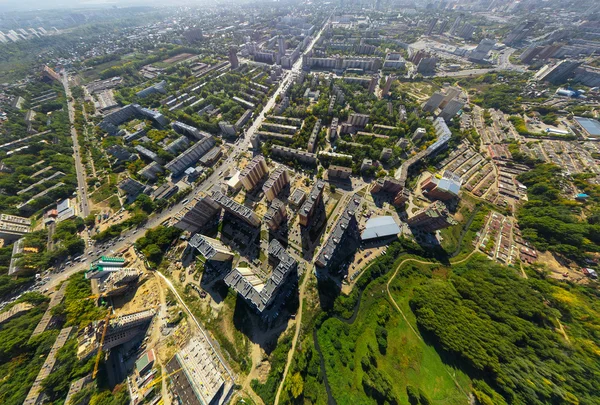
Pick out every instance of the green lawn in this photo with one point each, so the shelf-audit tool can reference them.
(407, 360)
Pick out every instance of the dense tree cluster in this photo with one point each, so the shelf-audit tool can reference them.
(156, 241)
(501, 328)
(552, 222)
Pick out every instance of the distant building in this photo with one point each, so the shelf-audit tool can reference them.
(432, 218)
(13, 227)
(233, 59)
(558, 73)
(158, 88)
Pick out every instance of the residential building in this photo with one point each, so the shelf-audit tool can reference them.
(337, 242)
(275, 215)
(254, 172)
(237, 210)
(312, 202)
(451, 109)
(258, 294)
(198, 213)
(432, 218)
(13, 227)
(340, 172)
(358, 120)
(278, 179)
(211, 249)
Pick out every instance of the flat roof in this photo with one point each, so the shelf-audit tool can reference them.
(380, 227)
(592, 127)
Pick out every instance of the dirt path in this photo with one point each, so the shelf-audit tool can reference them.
(246, 389)
(402, 312)
(561, 329)
(295, 339)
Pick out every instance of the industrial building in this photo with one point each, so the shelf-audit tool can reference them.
(131, 187)
(311, 203)
(151, 171)
(158, 88)
(211, 249)
(104, 266)
(191, 156)
(111, 122)
(380, 227)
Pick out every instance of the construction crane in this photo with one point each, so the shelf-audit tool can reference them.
(99, 354)
(158, 379)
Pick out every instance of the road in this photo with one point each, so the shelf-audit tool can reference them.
(81, 176)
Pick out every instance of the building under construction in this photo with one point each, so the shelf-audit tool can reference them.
(118, 282)
(120, 329)
(202, 378)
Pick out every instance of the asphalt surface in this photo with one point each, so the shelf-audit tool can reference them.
(81, 177)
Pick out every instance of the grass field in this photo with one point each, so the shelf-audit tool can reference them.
(408, 361)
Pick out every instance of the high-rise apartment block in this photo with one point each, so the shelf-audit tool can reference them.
(237, 210)
(200, 212)
(358, 120)
(211, 249)
(278, 179)
(275, 215)
(254, 172)
(312, 201)
(433, 218)
(233, 59)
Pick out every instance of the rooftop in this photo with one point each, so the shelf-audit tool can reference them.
(380, 227)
